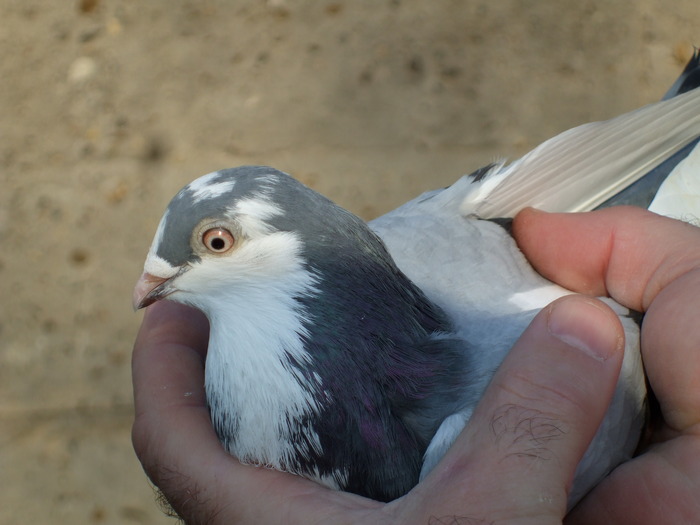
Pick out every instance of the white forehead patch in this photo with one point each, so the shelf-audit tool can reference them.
(159, 267)
(204, 188)
(156, 265)
(158, 237)
(252, 214)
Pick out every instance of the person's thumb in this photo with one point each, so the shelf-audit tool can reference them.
(516, 458)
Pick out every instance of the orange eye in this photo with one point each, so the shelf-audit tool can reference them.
(218, 240)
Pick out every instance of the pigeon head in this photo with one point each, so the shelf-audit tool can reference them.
(246, 226)
(324, 359)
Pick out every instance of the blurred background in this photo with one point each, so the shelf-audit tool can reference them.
(110, 106)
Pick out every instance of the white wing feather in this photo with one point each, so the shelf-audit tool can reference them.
(679, 195)
(583, 167)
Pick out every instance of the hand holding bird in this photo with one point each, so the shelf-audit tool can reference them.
(355, 355)
(182, 455)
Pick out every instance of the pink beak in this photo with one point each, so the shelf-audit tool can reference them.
(149, 288)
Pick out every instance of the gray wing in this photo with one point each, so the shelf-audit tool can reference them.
(688, 80)
(475, 272)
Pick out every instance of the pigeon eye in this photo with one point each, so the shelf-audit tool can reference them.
(218, 240)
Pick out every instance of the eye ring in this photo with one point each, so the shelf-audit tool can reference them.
(218, 240)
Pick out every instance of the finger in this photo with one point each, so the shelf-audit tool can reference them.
(168, 379)
(670, 336)
(627, 253)
(175, 441)
(659, 486)
(638, 258)
(521, 447)
(172, 339)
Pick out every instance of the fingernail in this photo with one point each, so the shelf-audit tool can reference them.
(586, 325)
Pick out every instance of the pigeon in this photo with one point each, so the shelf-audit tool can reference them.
(353, 353)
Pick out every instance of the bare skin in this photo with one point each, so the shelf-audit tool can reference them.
(650, 264)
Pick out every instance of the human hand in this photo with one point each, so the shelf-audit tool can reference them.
(513, 463)
(650, 264)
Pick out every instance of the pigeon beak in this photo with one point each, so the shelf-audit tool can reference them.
(149, 289)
